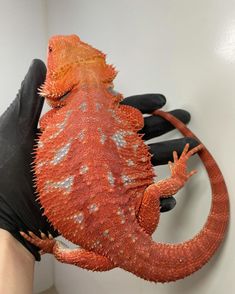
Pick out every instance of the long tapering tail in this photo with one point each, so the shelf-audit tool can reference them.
(161, 262)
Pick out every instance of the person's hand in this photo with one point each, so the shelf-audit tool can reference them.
(19, 210)
(18, 131)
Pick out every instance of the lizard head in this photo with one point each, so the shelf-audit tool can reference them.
(67, 60)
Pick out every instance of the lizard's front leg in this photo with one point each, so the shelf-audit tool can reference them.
(149, 211)
(80, 257)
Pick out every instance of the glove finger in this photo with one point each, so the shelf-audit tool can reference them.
(146, 103)
(163, 151)
(155, 126)
(30, 102)
(167, 204)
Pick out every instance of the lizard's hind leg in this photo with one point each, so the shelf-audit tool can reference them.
(80, 257)
(149, 211)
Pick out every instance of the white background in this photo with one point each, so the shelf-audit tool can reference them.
(184, 49)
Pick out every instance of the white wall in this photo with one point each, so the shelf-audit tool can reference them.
(23, 37)
(185, 50)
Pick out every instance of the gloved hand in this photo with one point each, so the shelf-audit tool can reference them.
(18, 130)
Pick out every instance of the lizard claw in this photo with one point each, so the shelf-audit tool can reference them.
(45, 243)
(43, 236)
(175, 156)
(193, 172)
(50, 235)
(194, 150)
(185, 151)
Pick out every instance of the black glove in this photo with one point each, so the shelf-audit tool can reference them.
(155, 126)
(18, 130)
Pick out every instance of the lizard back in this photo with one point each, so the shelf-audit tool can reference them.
(90, 157)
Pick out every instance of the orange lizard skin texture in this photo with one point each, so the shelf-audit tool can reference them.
(94, 176)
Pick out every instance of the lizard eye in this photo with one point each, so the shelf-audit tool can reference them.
(49, 49)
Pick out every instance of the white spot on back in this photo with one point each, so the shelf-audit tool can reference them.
(120, 212)
(81, 135)
(83, 106)
(62, 125)
(61, 154)
(130, 162)
(111, 178)
(98, 106)
(78, 218)
(93, 208)
(103, 137)
(105, 233)
(132, 210)
(135, 147)
(126, 179)
(65, 184)
(114, 115)
(118, 138)
(83, 169)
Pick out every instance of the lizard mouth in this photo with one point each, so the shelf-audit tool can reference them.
(64, 96)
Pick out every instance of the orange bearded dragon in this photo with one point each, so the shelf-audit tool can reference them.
(94, 177)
